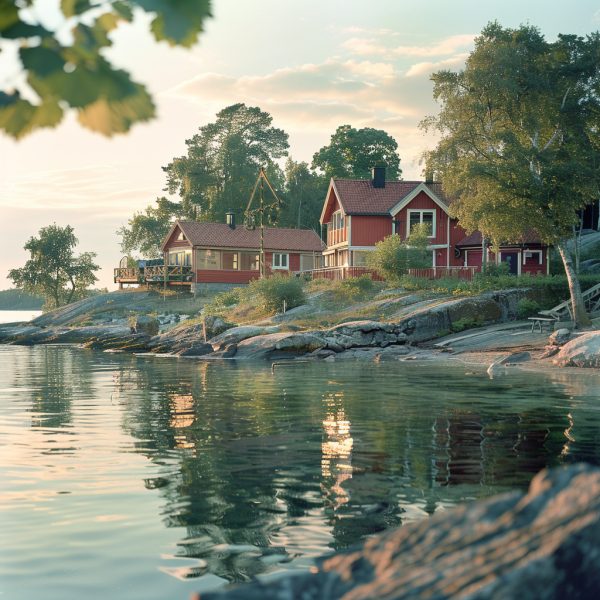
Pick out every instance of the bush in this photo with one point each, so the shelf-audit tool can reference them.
(393, 257)
(354, 288)
(527, 308)
(271, 292)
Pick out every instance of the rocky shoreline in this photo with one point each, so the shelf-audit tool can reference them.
(543, 544)
(371, 340)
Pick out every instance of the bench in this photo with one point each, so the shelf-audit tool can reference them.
(539, 321)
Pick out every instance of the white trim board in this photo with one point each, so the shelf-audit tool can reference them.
(410, 197)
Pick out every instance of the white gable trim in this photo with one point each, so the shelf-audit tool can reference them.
(412, 195)
(337, 195)
(168, 236)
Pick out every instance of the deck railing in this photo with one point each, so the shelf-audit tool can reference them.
(168, 273)
(466, 273)
(127, 274)
(339, 273)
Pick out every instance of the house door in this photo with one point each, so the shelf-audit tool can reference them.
(512, 260)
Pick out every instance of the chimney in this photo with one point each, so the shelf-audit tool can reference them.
(230, 219)
(378, 177)
(429, 176)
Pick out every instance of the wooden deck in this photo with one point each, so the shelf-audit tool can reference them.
(159, 274)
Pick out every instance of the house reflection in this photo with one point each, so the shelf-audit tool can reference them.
(183, 414)
(336, 449)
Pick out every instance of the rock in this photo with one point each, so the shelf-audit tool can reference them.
(542, 545)
(235, 335)
(198, 349)
(215, 326)
(559, 337)
(144, 324)
(392, 353)
(230, 351)
(583, 351)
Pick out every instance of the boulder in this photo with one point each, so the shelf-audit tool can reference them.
(197, 349)
(235, 335)
(559, 337)
(541, 545)
(214, 326)
(278, 344)
(144, 324)
(583, 351)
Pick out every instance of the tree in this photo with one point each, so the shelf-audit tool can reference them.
(352, 153)
(146, 230)
(519, 145)
(223, 160)
(76, 75)
(53, 271)
(304, 192)
(393, 257)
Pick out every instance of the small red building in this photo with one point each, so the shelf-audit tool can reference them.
(360, 213)
(221, 255)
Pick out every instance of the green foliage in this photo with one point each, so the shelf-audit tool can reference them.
(271, 292)
(497, 270)
(146, 230)
(353, 288)
(222, 161)
(527, 307)
(304, 192)
(53, 271)
(19, 300)
(519, 145)
(77, 75)
(466, 323)
(351, 153)
(393, 256)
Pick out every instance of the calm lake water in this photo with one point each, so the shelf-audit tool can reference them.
(145, 478)
(9, 316)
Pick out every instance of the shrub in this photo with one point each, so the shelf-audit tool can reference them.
(527, 307)
(354, 288)
(393, 257)
(271, 292)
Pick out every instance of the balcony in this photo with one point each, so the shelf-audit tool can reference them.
(168, 274)
(336, 236)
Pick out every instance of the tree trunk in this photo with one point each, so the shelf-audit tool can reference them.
(580, 316)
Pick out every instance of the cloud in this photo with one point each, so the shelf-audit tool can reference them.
(426, 68)
(383, 46)
(314, 95)
(72, 189)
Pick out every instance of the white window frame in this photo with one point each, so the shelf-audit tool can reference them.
(277, 258)
(337, 220)
(529, 254)
(420, 211)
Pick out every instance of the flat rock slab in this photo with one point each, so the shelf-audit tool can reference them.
(542, 545)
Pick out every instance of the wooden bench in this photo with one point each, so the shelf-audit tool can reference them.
(541, 320)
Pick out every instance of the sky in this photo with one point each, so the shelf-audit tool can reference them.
(312, 64)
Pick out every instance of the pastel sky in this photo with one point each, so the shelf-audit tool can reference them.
(313, 64)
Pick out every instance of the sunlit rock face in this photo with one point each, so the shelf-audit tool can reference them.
(583, 351)
(544, 544)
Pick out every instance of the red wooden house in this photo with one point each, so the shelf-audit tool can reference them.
(360, 213)
(222, 255)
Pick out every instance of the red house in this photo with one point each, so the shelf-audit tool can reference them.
(220, 255)
(360, 213)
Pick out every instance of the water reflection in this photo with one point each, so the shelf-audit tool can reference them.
(246, 470)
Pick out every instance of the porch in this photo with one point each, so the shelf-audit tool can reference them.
(154, 274)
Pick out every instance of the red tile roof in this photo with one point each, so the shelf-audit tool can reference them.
(359, 197)
(475, 239)
(220, 235)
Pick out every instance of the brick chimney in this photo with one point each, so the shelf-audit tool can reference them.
(378, 177)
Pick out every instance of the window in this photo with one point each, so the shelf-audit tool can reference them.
(337, 220)
(280, 261)
(181, 237)
(416, 217)
(532, 257)
(359, 258)
(208, 259)
(249, 261)
(230, 261)
(183, 258)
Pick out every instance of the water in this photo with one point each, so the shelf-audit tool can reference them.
(131, 477)
(10, 316)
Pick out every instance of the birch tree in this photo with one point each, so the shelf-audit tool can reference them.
(519, 139)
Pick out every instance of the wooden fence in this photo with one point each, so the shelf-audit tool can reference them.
(466, 273)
